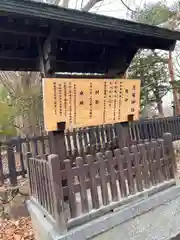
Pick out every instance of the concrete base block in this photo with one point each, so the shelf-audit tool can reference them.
(154, 217)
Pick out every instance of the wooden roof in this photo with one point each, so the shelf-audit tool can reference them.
(86, 42)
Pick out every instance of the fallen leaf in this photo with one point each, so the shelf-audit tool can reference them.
(16, 230)
(17, 237)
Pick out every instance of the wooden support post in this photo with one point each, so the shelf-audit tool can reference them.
(169, 151)
(47, 56)
(57, 190)
(123, 134)
(1, 169)
(120, 135)
(11, 164)
(57, 145)
(30, 175)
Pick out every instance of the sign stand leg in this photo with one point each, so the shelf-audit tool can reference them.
(47, 49)
(58, 147)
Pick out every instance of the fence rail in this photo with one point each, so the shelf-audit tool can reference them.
(97, 181)
(83, 141)
(40, 182)
(12, 156)
(91, 140)
(155, 128)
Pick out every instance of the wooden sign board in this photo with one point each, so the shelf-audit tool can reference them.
(89, 102)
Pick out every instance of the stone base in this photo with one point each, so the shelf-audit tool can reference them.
(154, 217)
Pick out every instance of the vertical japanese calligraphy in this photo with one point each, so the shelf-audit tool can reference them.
(70, 103)
(105, 101)
(133, 98)
(74, 101)
(89, 102)
(65, 99)
(119, 100)
(55, 98)
(60, 99)
(114, 100)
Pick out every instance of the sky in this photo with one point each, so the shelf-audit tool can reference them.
(114, 8)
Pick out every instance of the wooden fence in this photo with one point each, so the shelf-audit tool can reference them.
(155, 128)
(12, 156)
(83, 141)
(99, 182)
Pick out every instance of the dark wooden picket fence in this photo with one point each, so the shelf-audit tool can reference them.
(155, 128)
(99, 182)
(12, 156)
(83, 141)
(90, 140)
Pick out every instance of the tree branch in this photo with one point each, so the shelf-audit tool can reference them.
(90, 5)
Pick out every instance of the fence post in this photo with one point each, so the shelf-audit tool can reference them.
(42, 140)
(124, 134)
(1, 169)
(169, 150)
(119, 130)
(58, 145)
(35, 146)
(57, 191)
(28, 155)
(11, 164)
(19, 144)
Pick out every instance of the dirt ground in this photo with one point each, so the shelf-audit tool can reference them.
(15, 223)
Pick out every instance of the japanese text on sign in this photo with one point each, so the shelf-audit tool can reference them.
(82, 102)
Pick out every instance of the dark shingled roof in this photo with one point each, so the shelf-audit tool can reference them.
(86, 42)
